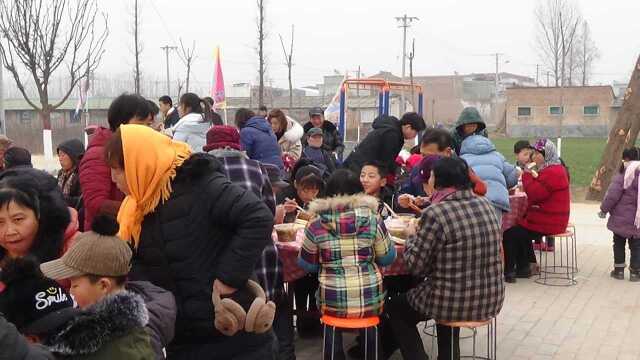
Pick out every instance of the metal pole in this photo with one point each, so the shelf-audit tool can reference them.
(166, 49)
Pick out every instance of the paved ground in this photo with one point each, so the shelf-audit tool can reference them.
(599, 318)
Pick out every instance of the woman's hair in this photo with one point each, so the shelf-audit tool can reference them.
(452, 172)
(630, 154)
(242, 116)
(282, 120)
(39, 192)
(343, 182)
(114, 152)
(192, 103)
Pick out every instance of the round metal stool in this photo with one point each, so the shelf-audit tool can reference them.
(350, 324)
(492, 337)
(558, 268)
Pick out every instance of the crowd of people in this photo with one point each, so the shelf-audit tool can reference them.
(156, 241)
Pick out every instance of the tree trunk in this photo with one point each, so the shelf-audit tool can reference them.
(623, 135)
(290, 88)
(137, 49)
(261, 52)
(188, 75)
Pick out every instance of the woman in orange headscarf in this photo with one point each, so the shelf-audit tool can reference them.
(192, 230)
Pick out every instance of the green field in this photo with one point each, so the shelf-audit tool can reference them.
(582, 156)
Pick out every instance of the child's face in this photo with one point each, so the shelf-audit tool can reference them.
(524, 156)
(307, 194)
(432, 149)
(469, 129)
(86, 293)
(371, 180)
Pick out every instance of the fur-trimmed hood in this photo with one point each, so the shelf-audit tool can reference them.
(109, 319)
(293, 133)
(347, 202)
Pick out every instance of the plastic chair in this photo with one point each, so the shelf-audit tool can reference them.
(564, 267)
(350, 324)
(491, 324)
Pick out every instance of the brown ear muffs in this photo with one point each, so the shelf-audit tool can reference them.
(229, 315)
(261, 313)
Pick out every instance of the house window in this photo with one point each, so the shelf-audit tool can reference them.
(592, 110)
(73, 119)
(556, 110)
(524, 111)
(26, 116)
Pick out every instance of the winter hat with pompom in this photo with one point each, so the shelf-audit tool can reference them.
(98, 252)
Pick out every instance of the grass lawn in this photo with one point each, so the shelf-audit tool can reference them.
(581, 155)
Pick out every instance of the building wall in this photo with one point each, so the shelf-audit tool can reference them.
(573, 122)
(24, 127)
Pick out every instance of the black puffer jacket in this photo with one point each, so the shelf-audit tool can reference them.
(382, 144)
(331, 141)
(208, 229)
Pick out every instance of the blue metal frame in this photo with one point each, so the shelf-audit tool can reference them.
(386, 102)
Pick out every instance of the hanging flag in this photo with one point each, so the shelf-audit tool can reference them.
(217, 92)
(83, 90)
(332, 112)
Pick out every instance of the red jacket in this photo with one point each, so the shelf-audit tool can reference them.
(100, 194)
(548, 200)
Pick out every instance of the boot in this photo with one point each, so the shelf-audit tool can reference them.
(618, 273)
(634, 275)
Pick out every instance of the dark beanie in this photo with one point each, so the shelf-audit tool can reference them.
(35, 304)
(74, 148)
(17, 156)
(222, 136)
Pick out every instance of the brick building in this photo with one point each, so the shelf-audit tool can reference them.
(576, 111)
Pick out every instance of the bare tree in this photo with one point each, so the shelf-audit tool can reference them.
(557, 26)
(588, 53)
(262, 35)
(42, 35)
(288, 58)
(187, 56)
(137, 46)
(180, 86)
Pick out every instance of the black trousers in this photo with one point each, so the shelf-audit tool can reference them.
(402, 333)
(283, 329)
(518, 250)
(619, 253)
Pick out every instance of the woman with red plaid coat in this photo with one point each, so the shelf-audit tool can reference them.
(456, 254)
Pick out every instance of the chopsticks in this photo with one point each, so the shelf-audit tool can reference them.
(393, 213)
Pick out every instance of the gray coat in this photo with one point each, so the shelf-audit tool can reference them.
(621, 204)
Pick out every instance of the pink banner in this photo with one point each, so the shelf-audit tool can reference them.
(217, 92)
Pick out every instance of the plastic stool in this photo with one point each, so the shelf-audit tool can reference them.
(562, 271)
(351, 324)
(491, 324)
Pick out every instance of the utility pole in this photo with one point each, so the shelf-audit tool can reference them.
(405, 24)
(497, 83)
(166, 49)
(412, 55)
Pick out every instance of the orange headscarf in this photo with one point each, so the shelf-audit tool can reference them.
(150, 162)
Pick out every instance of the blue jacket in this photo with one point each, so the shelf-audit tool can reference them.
(481, 155)
(260, 143)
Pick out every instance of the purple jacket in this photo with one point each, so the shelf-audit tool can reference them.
(621, 204)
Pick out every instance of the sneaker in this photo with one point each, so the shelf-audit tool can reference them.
(510, 278)
(618, 273)
(634, 276)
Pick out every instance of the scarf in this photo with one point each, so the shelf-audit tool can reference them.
(66, 179)
(439, 195)
(629, 176)
(150, 163)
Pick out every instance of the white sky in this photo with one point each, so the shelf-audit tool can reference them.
(451, 35)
